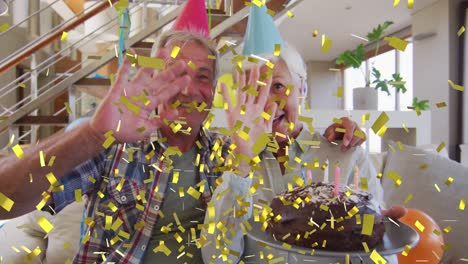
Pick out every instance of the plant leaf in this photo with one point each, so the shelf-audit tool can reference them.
(352, 58)
(421, 105)
(378, 31)
(398, 83)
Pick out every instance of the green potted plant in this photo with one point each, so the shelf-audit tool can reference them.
(367, 97)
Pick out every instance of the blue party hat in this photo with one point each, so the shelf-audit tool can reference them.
(261, 34)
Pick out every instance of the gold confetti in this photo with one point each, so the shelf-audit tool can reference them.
(277, 50)
(449, 181)
(192, 65)
(42, 158)
(441, 104)
(380, 122)
(368, 224)
(377, 258)
(290, 14)
(410, 4)
(406, 250)
(462, 204)
(18, 151)
(397, 43)
(315, 33)
(408, 198)
(64, 36)
(339, 91)
(175, 51)
(149, 62)
(353, 211)
(4, 27)
(67, 106)
(419, 226)
(45, 224)
(108, 142)
(437, 187)
(396, 3)
(405, 128)
(456, 86)
(366, 247)
(78, 195)
(5, 202)
(121, 5)
(461, 31)
(441, 146)
(193, 192)
(326, 44)
(257, 3)
(52, 179)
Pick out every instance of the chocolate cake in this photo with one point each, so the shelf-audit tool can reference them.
(313, 217)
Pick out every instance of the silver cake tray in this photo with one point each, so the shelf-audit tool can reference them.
(394, 241)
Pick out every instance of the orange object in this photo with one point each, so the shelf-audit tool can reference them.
(429, 248)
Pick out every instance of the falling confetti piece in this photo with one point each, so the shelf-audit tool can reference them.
(397, 43)
(396, 3)
(410, 4)
(290, 14)
(5, 202)
(326, 44)
(67, 106)
(441, 146)
(441, 104)
(149, 62)
(380, 122)
(18, 151)
(175, 52)
(4, 27)
(45, 224)
(461, 206)
(277, 50)
(461, 31)
(315, 33)
(64, 36)
(456, 86)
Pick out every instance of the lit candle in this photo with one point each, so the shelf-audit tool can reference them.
(325, 174)
(337, 179)
(309, 176)
(356, 178)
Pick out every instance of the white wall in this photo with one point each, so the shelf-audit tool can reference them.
(323, 84)
(432, 64)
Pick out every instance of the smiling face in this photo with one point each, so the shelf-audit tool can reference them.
(199, 91)
(281, 80)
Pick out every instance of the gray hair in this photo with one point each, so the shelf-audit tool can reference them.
(184, 36)
(296, 66)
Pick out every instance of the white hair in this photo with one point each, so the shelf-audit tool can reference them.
(296, 66)
(185, 36)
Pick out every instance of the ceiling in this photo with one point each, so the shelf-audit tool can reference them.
(338, 19)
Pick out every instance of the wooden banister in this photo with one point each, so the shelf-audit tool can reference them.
(55, 35)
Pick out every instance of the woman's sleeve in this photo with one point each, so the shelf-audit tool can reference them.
(222, 237)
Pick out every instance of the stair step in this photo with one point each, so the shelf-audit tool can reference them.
(43, 120)
(93, 86)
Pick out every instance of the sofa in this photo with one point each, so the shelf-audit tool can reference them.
(419, 169)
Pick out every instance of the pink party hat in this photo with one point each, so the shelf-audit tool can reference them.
(193, 18)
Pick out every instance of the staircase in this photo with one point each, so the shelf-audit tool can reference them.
(46, 68)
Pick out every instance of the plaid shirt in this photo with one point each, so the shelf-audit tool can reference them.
(125, 195)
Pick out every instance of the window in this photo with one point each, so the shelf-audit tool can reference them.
(388, 63)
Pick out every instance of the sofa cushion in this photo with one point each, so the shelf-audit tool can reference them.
(23, 234)
(64, 238)
(420, 170)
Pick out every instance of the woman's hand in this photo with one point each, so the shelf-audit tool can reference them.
(349, 140)
(132, 102)
(248, 110)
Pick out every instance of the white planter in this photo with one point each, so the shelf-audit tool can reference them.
(365, 98)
